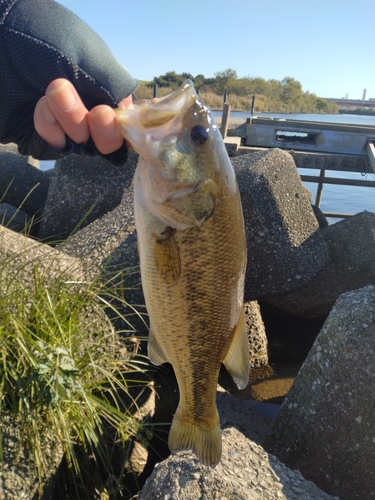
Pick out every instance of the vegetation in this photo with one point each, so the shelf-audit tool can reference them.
(357, 111)
(285, 96)
(64, 368)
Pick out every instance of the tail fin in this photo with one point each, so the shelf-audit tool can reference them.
(204, 441)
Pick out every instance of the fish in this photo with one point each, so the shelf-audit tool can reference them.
(192, 250)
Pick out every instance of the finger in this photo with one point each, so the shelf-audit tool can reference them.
(105, 129)
(47, 126)
(127, 102)
(68, 109)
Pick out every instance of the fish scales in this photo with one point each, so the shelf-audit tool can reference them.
(193, 257)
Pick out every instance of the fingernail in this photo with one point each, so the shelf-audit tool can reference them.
(104, 121)
(63, 97)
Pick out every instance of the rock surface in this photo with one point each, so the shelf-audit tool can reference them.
(108, 242)
(256, 332)
(11, 147)
(285, 248)
(21, 184)
(20, 256)
(18, 480)
(326, 425)
(13, 218)
(351, 244)
(82, 190)
(245, 472)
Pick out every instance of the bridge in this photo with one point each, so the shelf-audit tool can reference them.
(352, 103)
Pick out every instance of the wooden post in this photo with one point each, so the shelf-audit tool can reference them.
(225, 120)
(225, 97)
(320, 188)
(253, 105)
(155, 91)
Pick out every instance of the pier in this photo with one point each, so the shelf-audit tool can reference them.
(313, 145)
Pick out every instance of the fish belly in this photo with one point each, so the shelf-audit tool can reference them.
(194, 301)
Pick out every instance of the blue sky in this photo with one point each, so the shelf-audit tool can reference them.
(327, 45)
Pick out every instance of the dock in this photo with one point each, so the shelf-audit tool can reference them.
(313, 145)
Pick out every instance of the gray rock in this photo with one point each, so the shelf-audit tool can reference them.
(103, 244)
(143, 411)
(234, 412)
(20, 256)
(256, 332)
(18, 477)
(320, 217)
(245, 472)
(13, 218)
(285, 248)
(326, 424)
(351, 244)
(11, 147)
(82, 190)
(22, 185)
(108, 247)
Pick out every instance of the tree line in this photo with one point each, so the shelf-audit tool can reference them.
(282, 96)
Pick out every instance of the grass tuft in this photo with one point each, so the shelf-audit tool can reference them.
(65, 369)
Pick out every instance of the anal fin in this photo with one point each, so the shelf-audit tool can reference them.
(236, 360)
(155, 352)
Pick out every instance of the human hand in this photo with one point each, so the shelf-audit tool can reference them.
(61, 112)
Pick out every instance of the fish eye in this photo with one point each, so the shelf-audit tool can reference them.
(199, 135)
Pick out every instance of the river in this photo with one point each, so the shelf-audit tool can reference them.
(348, 199)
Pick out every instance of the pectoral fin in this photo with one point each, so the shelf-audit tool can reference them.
(237, 359)
(167, 256)
(155, 352)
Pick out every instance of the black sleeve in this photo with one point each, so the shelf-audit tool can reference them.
(41, 40)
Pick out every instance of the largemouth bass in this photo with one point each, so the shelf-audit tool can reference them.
(192, 250)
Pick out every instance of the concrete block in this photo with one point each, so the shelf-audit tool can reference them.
(326, 425)
(82, 190)
(351, 244)
(285, 248)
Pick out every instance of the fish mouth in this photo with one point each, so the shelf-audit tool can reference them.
(150, 121)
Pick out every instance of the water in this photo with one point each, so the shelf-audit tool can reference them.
(342, 199)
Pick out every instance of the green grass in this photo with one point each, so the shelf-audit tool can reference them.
(63, 367)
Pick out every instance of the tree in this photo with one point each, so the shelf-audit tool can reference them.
(187, 76)
(199, 81)
(170, 79)
(223, 78)
(321, 105)
(259, 85)
(291, 91)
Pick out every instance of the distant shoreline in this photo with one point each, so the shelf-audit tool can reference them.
(362, 112)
